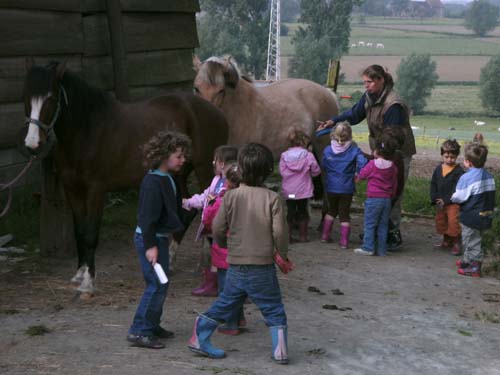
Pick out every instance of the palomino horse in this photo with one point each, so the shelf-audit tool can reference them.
(264, 114)
(98, 143)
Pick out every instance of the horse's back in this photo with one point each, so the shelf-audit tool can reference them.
(303, 95)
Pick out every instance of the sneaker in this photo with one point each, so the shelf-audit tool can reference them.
(363, 252)
(462, 263)
(162, 333)
(149, 342)
(473, 270)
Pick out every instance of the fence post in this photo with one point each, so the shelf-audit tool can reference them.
(57, 237)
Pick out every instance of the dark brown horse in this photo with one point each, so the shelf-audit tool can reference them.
(97, 143)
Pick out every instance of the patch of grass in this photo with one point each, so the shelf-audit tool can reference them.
(437, 46)
(485, 316)
(37, 330)
(464, 333)
(391, 293)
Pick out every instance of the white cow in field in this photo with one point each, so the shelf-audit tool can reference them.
(354, 45)
(361, 43)
(369, 44)
(380, 45)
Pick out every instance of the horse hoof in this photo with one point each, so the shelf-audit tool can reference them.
(86, 296)
(76, 281)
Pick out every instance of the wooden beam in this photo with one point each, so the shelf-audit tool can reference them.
(59, 5)
(11, 121)
(29, 32)
(187, 6)
(118, 53)
(143, 68)
(142, 32)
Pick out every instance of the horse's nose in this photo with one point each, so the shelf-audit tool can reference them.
(31, 142)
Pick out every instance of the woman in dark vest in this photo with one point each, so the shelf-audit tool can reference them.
(381, 107)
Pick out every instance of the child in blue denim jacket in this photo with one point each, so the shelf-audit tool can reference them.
(159, 215)
(255, 219)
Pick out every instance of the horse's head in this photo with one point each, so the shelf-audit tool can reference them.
(43, 100)
(214, 77)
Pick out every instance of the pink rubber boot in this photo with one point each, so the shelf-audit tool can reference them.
(345, 231)
(327, 228)
(208, 287)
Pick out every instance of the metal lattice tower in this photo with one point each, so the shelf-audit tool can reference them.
(273, 70)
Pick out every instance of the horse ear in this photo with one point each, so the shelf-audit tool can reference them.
(196, 62)
(30, 61)
(60, 69)
(231, 73)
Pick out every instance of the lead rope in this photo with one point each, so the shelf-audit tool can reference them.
(10, 185)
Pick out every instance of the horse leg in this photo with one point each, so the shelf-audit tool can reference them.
(77, 202)
(89, 239)
(87, 213)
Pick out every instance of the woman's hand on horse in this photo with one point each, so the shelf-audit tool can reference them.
(152, 255)
(324, 124)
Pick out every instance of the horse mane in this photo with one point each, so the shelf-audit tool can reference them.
(84, 99)
(220, 71)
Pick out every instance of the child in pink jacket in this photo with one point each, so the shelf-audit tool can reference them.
(222, 156)
(297, 167)
(219, 254)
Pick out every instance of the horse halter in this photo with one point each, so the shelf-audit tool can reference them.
(50, 128)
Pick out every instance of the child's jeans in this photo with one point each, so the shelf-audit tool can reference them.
(377, 214)
(260, 283)
(221, 281)
(471, 244)
(148, 314)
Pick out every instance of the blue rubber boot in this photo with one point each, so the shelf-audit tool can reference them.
(200, 340)
(279, 335)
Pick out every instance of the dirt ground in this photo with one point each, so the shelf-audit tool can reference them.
(408, 313)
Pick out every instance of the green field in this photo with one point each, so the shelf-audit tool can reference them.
(450, 106)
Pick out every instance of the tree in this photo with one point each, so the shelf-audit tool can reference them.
(326, 36)
(238, 28)
(290, 10)
(481, 17)
(400, 7)
(490, 85)
(416, 77)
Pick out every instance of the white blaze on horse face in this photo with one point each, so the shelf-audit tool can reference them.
(32, 139)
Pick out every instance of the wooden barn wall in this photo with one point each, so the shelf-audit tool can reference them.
(159, 36)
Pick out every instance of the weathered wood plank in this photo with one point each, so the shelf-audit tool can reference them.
(28, 32)
(59, 5)
(15, 67)
(8, 173)
(11, 156)
(142, 32)
(189, 6)
(13, 72)
(11, 122)
(143, 68)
